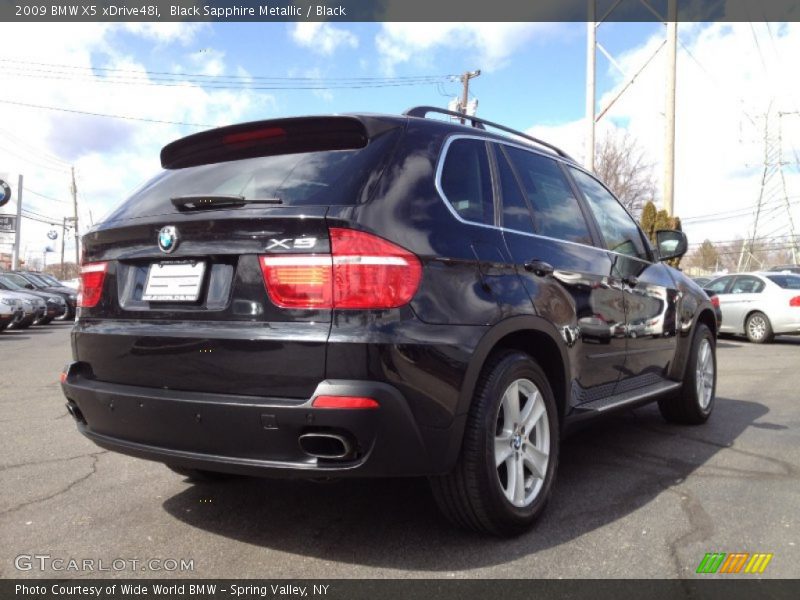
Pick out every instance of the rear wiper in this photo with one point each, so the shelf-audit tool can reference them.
(212, 201)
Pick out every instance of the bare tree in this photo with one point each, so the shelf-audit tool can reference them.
(621, 164)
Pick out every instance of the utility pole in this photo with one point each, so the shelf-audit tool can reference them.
(669, 130)
(15, 255)
(63, 235)
(465, 92)
(74, 190)
(591, 43)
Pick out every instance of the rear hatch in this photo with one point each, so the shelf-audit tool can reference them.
(174, 292)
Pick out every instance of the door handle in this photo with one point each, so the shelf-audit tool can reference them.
(631, 280)
(539, 267)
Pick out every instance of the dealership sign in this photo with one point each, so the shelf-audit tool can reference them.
(8, 223)
(5, 193)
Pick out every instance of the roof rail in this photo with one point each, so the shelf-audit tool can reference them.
(478, 123)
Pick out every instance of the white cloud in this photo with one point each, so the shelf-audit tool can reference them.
(322, 38)
(489, 45)
(724, 89)
(111, 156)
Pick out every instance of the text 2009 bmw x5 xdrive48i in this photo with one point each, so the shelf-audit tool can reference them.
(379, 295)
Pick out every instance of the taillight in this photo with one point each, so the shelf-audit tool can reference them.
(298, 281)
(795, 301)
(91, 287)
(715, 301)
(362, 272)
(369, 272)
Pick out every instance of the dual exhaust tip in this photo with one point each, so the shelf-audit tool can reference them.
(328, 446)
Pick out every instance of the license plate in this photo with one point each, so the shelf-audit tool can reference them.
(174, 282)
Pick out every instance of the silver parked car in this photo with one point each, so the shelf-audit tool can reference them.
(759, 305)
(10, 309)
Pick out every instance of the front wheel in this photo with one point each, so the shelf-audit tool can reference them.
(695, 401)
(504, 474)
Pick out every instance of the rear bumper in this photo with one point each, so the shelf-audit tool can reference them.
(248, 434)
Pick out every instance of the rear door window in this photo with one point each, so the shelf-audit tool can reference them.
(556, 211)
(466, 181)
(747, 285)
(516, 214)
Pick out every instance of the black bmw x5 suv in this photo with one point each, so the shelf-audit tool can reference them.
(369, 295)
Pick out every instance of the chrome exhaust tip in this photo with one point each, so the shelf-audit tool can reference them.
(326, 445)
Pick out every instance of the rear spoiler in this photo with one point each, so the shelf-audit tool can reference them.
(273, 137)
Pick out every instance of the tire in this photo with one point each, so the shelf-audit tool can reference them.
(479, 493)
(43, 321)
(200, 475)
(695, 401)
(758, 329)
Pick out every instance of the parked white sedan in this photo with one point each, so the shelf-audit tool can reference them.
(759, 305)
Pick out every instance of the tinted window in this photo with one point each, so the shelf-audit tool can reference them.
(555, 209)
(335, 177)
(787, 282)
(618, 228)
(747, 285)
(516, 214)
(719, 285)
(466, 181)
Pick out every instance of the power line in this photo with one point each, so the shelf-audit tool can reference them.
(220, 85)
(105, 115)
(39, 153)
(430, 78)
(36, 163)
(45, 196)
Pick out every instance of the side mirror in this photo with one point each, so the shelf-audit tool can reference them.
(671, 244)
(29, 286)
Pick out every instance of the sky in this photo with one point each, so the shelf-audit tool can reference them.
(733, 81)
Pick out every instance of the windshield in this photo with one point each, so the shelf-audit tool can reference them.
(787, 282)
(49, 279)
(18, 279)
(7, 284)
(35, 280)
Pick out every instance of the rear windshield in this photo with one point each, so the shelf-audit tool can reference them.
(787, 282)
(334, 177)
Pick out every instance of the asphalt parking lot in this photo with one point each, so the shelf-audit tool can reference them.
(634, 497)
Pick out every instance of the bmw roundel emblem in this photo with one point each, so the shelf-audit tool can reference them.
(168, 238)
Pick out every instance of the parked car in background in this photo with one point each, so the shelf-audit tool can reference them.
(380, 295)
(759, 305)
(786, 269)
(701, 281)
(55, 306)
(71, 283)
(10, 309)
(33, 308)
(33, 282)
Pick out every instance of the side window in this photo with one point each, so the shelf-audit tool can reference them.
(719, 285)
(618, 228)
(747, 285)
(466, 181)
(555, 209)
(516, 214)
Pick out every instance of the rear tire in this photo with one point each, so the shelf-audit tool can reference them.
(695, 401)
(509, 455)
(200, 475)
(758, 329)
